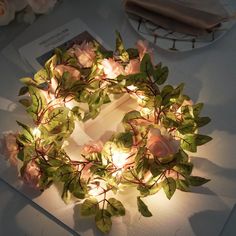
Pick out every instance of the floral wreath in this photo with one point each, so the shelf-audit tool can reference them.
(149, 154)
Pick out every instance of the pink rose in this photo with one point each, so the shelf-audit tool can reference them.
(74, 73)
(142, 47)
(85, 53)
(7, 12)
(133, 67)
(92, 147)
(9, 147)
(161, 145)
(32, 174)
(42, 6)
(112, 68)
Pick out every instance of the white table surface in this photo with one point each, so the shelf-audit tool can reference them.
(210, 77)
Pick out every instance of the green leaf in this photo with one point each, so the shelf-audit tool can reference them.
(124, 140)
(23, 90)
(38, 102)
(169, 187)
(103, 221)
(197, 109)
(158, 101)
(185, 169)
(133, 53)
(202, 121)
(77, 187)
(182, 185)
(26, 133)
(41, 76)
(89, 207)
(155, 169)
(189, 142)
(202, 139)
(142, 208)
(160, 74)
(60, 121)
(25, 102)
(144, 190)
(124, 56)
(196, 180)
(119, 43)
(20, 155)
(146, 65)
(187, 126)
(115, 207)
(66, 195)
(132, 115)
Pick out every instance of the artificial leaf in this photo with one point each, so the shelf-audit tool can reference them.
(196, 180)
(160, 74)
(89, 207)
(188, 142)
(202, 121)
(146, 66)
(23, 90)
(202, 139)
(185, 169)
(115, 207)
(103, 220)
(142, 208)
(182, 185)
(169, 187)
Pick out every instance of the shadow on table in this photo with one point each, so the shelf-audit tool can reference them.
(222, 179)
(206, 222)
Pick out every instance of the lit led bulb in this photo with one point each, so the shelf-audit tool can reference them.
(36, 132)
(132, 87)
(119, 159)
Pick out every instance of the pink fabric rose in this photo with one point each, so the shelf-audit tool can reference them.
(85, 53)
(112, 68)
(161, 145)
(133, 67)
(142, 47)
(32, 174)
(7, 12)
(41, 6)
(92, 147)
(9, 147)
(74, 73)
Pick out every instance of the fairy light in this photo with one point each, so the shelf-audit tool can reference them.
(36, 132)
(96, 188)
(119, 159)
(132, 87)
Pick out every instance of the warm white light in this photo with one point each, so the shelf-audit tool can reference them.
(145, 111)
(36, 132)
(97, 188)
(132, 87)
(119, 159)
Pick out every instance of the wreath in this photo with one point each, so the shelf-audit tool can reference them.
(150, 154)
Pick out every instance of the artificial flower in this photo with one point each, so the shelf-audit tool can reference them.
(133, 67)
(111, 68)
(32, 174)
(161, 145)
(42, 6)
(92, 147)
(7, 12)
(143, 48)
(84, 53)
(9, 147)
(73, 72)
